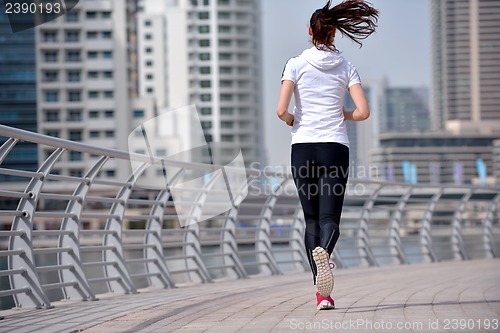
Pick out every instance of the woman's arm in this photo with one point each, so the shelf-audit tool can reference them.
(286, 92)
(362, 111)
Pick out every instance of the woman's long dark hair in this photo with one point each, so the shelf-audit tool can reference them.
(355, 19)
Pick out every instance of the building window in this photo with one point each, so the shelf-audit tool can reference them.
(76, 173)
(138, 113)
(147, 23)
(225, 42)
(50, 76)
(74, 115)
(205, 97)
(204, 56)
(226, 111)
(75, 135)
(204, 29)
(73, 76)
(110, 173)
(51, 96)
(148, 36)
(226, 124)
(109, 114)
(93, 94)
(226, 70)
(50, 56)
(106, 15)
(73, 56)
(225, 56)
(50, 36)
(149, 76)
(149, 50)
(74, 96)
(206, 111)
(149, 63)
(91, 15)
(75, 156)
(52, 116)
(206, 124)
(108, 94)
(204, 43)
(92, 74)
(108, 74)
(92, 55)
(205, 84)
(94, 134)
(53, 133)
(203, 16)
(107, 54)
(93, 114)
(226, 83)
(106, 34)
(72, 36)
(149, 89)
(224, 15)
(72, 16)
(91, 34)
(204, 70)
(109, 134)
(226, 97)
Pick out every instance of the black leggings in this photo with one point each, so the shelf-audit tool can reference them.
(320, 172)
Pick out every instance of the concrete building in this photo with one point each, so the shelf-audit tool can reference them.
(436, 157)
(206, 53)
(18, 93)
(86, 76)
(404, 109)
(466, 66)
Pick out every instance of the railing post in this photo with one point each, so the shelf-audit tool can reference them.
(72, 241)
(425, 230)
(395, 226)
(263, 244)
(230, 245)
(36, 296)
(456, 238)
(124, 284)
(363, 237)
(297, 230)
(158, 264)
(488, 236)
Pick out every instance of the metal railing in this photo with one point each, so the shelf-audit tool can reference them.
(75, 237)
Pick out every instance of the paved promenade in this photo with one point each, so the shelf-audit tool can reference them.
(460, 296)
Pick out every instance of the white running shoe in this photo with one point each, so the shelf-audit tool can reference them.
(324, 277)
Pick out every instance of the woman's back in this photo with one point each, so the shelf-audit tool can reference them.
(321, 79)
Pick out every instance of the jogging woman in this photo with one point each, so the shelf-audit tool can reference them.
(319, 79)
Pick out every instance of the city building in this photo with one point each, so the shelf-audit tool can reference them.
(206, 53)
(86, 76)
(18, 93)
(404, 109)
(435, 157)
(466, 66)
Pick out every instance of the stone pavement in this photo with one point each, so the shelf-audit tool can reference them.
(459, 296)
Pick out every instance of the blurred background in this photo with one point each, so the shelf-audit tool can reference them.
(431, 72)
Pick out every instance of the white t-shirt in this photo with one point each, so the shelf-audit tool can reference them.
(321, 81)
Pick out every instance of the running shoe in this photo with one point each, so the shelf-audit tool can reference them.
(324, 303)
(324, 276)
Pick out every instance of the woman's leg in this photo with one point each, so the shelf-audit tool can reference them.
(332, 184)
(306, 181)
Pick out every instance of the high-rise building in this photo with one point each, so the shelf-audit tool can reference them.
(466, 65)
(18, 92)
(404, 110)
(86, 76)
(206, 53)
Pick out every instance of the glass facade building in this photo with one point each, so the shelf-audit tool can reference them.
(18, 92)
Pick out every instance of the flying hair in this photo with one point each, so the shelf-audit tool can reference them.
(355, 19)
